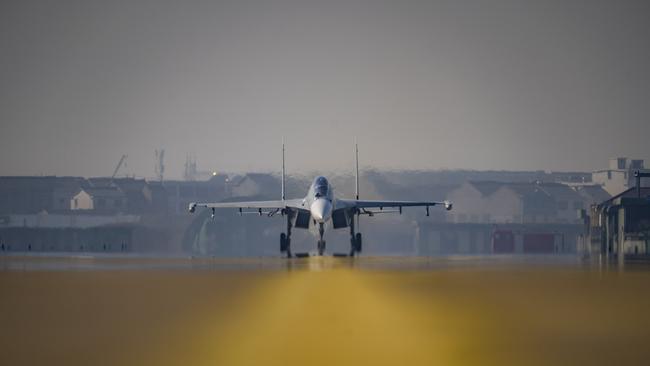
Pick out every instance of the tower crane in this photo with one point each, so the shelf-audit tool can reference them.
(119, 165)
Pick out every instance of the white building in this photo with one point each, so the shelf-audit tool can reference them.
(99, 199)
(620, 175)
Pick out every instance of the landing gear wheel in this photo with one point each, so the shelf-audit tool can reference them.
(283, 242)
(357, 246)
(321, 247)
(321, 242)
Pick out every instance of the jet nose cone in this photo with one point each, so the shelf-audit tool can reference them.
(321, 210)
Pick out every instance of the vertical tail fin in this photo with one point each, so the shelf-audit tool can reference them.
(283, 196)
(356, 174)
(356, 181)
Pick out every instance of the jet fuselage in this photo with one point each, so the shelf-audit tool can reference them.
(320, 200)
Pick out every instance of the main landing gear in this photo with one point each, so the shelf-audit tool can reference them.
(321, 242)
(355, 239)
(285, 239)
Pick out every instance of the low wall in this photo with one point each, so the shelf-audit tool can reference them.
(446, 238)
(123, 238)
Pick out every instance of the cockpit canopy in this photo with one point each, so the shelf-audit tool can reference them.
(321, 186)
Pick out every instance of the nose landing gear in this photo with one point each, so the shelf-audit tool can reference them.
(321, 242)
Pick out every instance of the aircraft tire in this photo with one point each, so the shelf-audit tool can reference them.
(283, 242)
(357, 243)
(321, 247)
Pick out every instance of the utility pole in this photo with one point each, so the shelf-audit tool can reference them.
(160, 166)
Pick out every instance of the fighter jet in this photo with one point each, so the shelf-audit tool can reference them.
(320, 206)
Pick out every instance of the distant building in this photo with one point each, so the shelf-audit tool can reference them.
(254, 184)
(503, 203)
(473, 203)
(592, 194)
(435, 238)
(496, 202)
(64, 189)
(569, 178)
(26, 195)
(141, 196)
(620, 224)
(33, 195)
(181, 193)
(156, 197)
(99, 199)
(567, 200)
(620, 175)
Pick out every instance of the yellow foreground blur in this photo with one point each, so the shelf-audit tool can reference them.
(325, 311)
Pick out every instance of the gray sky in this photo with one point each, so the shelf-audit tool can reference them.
(555, 85)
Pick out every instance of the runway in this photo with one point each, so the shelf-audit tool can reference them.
(321, 311)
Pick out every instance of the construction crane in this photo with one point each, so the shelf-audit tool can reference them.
(117, 168)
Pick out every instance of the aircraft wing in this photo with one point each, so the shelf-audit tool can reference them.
(361, 204)
(279, 204)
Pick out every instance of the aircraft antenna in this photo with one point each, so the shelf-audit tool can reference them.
(356, 175)
(356, 180)
(283, 196)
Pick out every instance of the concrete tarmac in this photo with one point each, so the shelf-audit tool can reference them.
(70, 310)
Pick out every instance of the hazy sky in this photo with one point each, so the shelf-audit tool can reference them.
(555, 85)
